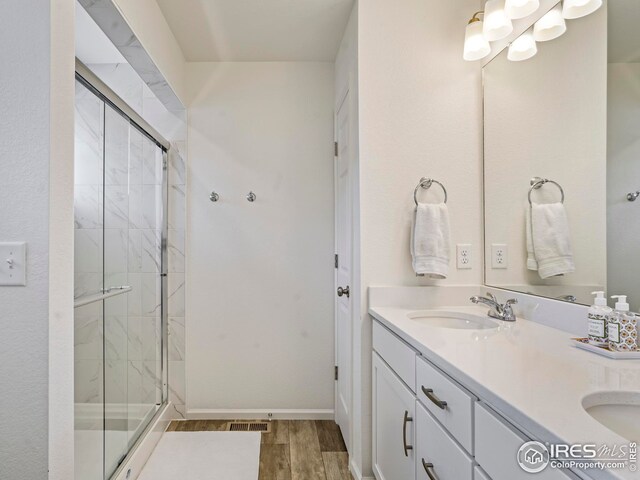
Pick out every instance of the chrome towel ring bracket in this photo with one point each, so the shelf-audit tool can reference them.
(537, 182)
(426, 184)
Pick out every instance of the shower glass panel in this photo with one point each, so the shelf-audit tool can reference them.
(89, 277)
(120, 227)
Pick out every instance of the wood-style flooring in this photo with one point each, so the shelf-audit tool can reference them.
(294, 450)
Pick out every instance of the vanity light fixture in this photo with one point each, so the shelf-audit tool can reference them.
(550, 26)
(523, 47)
(475, 45)
(579, 8)
(520, 8)
(497, 25)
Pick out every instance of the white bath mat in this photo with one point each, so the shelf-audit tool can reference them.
(204, 456)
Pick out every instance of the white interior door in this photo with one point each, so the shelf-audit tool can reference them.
(343, 269)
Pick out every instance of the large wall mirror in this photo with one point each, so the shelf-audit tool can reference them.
(561, 156)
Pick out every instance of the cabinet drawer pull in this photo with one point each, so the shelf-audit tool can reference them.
(407, 419)
(428, 467)
(431, 396)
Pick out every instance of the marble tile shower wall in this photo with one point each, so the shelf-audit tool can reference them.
(118, 222)
(176, 281)
(89, 141)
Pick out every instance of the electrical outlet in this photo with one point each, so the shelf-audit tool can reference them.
(463, 256)
(499, 256)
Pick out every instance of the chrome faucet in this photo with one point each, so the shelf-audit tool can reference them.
(497, 310)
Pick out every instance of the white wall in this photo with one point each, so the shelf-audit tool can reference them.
(419, 115)
(260, 275)
(623, 176)
(36, 194)
(539, 124)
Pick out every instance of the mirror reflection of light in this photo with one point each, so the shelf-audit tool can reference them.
(579, 8)
(520, 8)
(523, 48)
(496, 23)
(550, 26)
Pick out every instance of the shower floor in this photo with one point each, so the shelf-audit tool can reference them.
(91, 441)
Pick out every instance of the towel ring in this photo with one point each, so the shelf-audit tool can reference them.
(426, 184)
(537, 182)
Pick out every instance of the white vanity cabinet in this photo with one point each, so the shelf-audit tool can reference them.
(438, 456)
(393, 425)
(426, 426)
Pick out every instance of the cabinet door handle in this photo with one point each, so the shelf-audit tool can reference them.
(431, 396)
(407, 419)
(428, 467)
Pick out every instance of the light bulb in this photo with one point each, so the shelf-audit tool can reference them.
(496, 23)
(579, 8)
(520, 8)
(523, 47)
(475, 45)
(550, 26)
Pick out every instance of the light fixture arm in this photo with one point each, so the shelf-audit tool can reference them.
(475, 18)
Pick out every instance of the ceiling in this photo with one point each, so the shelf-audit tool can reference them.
(257, 30)
(624, 31)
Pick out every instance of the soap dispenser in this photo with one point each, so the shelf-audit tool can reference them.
(598, 313)
(622, 325)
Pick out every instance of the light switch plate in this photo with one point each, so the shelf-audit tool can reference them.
(463, 252)
(499, 256)
(13, 263)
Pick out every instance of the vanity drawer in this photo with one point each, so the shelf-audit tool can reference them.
(432, 387)
(398, 355)
(447, 459)
(496, 448)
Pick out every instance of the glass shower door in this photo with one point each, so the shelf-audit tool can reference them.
(133, 210)
(120, 232)
(89, 277)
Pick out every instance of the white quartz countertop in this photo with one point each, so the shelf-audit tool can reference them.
(527, 371)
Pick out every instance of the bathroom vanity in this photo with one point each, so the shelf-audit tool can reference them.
(456, 394)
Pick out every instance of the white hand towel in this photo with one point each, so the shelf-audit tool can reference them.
(548, 241)
(430, 240)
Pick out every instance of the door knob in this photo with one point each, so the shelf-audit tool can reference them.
(343, 291)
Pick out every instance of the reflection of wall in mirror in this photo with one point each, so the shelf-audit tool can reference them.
(547, 117)
(623, 176)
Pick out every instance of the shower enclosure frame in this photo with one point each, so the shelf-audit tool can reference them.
(93, 83)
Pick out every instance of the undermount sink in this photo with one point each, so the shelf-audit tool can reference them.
(618, 411)
(450, 319)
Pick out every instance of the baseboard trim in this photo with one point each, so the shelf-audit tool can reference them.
(145, 446)
(249, 414)
(357, 474)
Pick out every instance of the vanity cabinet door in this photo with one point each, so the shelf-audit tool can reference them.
(438, 456)
(393, 425)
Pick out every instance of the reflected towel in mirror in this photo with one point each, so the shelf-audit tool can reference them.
(548, 240)
(430, 240)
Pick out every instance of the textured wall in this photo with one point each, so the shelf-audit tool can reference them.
(420, 107)
(36, 199)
